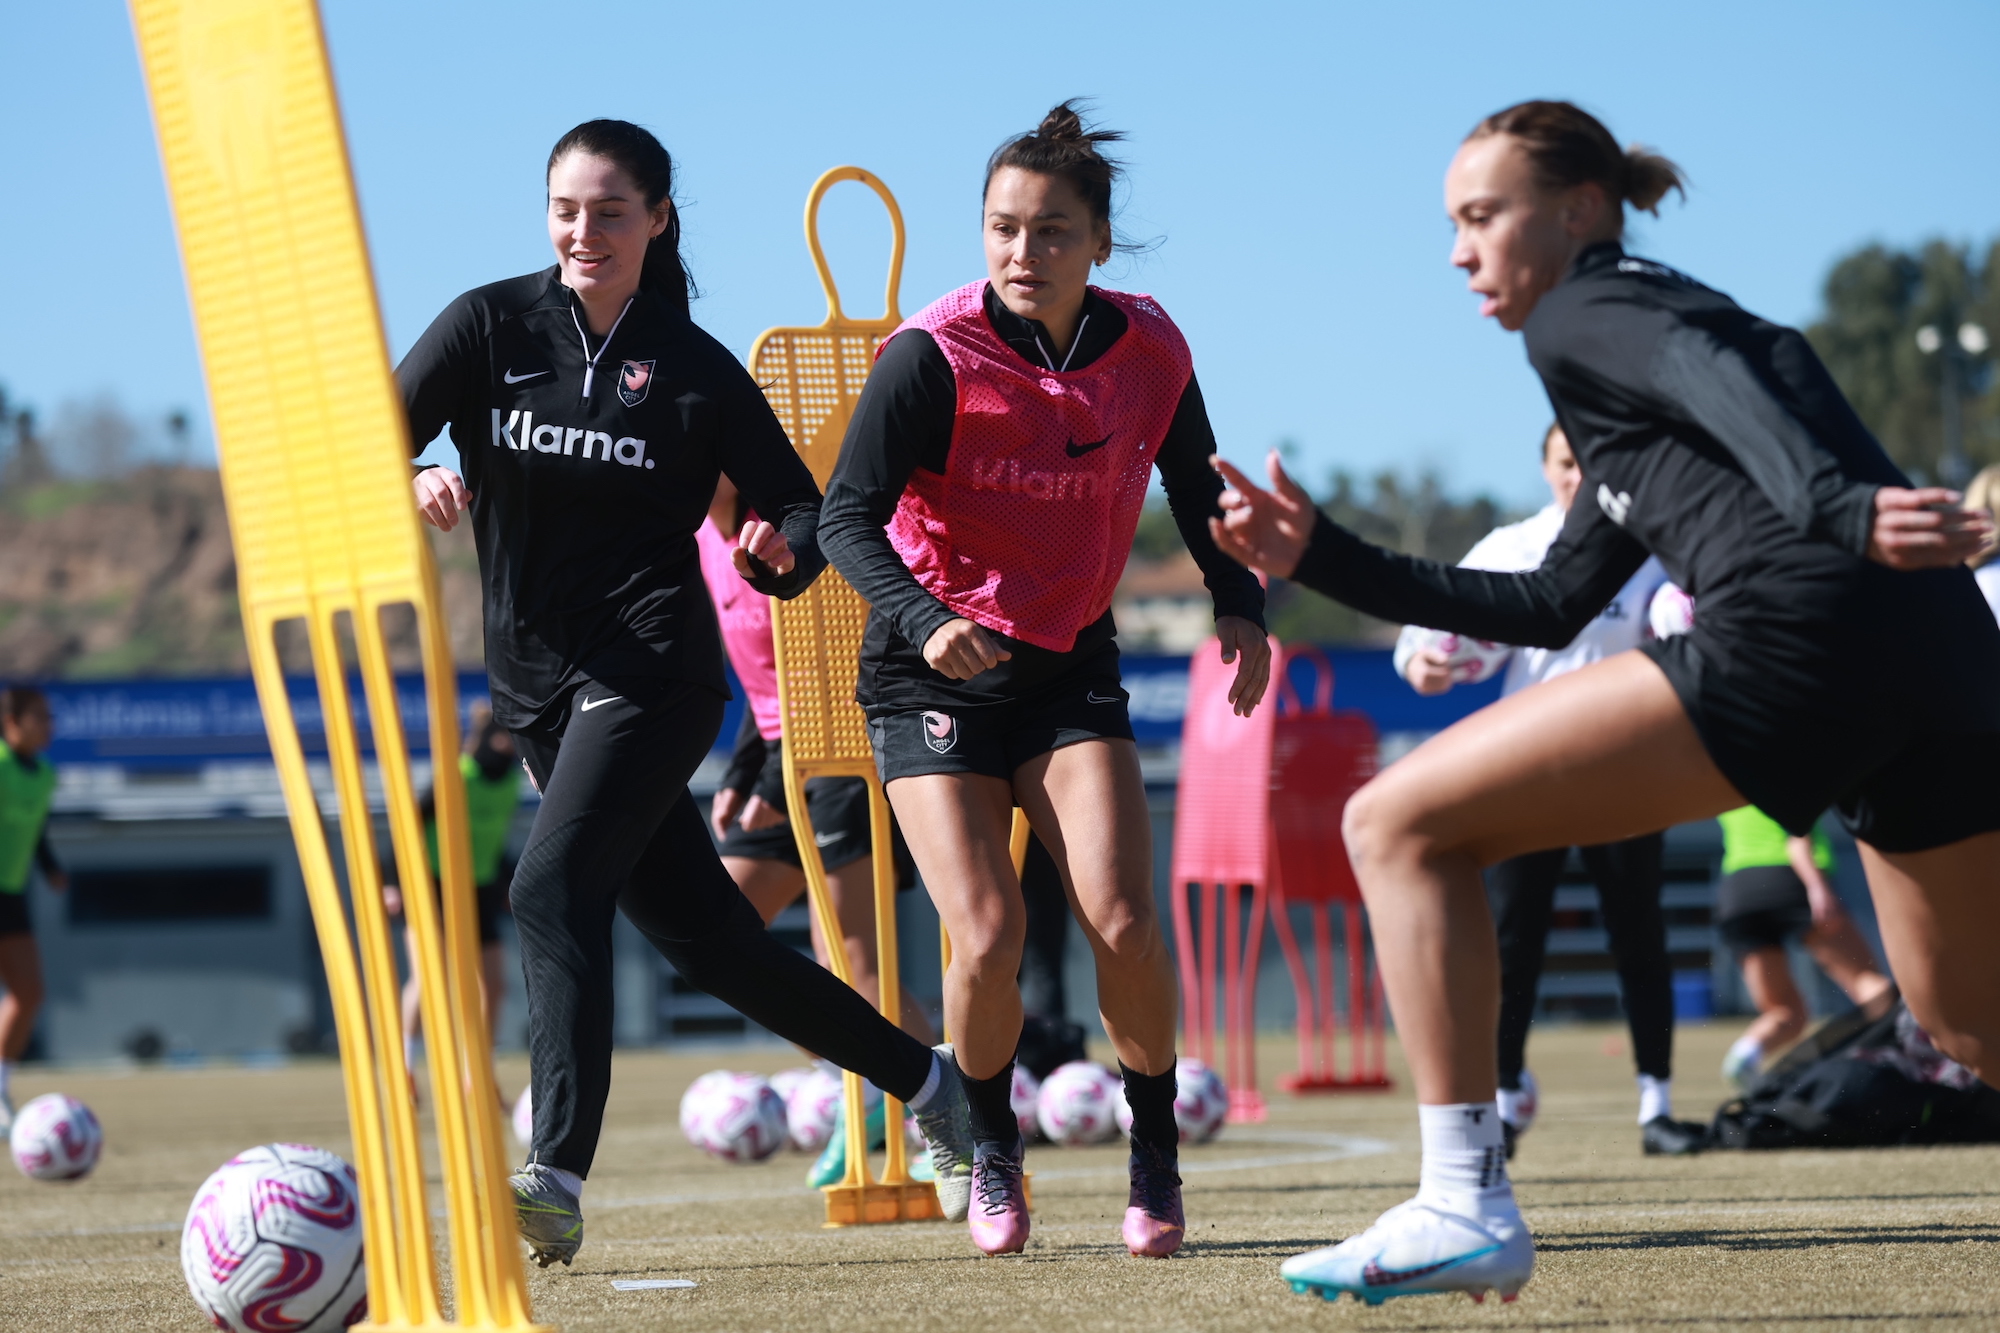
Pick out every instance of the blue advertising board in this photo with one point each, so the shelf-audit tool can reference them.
(179, 724)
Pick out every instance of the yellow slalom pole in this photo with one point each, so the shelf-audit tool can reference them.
(314, 451)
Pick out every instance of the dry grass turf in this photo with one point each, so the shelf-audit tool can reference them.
(1794, 1241)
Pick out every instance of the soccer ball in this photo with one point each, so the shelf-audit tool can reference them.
(55, 1138)
(273, 1240)
(786, 1080)
(1473, 660)
(1075, 1105)
(524, 1118)
(1025, 1096)
(736, 1117)
(813, 1107)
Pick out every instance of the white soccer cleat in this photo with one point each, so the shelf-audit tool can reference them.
(1416, 1249)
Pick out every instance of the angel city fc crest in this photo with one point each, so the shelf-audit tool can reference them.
(634, 379)
(940, 731)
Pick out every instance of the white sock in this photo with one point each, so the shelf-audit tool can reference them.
(1518, 1105)
(1656, 1098)
(569, 1180)
(932, 1081)
(1748, 1048)
(1465, 1160)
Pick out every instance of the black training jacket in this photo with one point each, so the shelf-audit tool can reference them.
(905, 421)
(1707, 436)
(585, 508)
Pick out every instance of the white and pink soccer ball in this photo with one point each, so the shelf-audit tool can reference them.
(1471, 660)
(55, 1138)
(736, 1117)
(812, 1109)
(273, 1241)
(1077, 1104)
(786, 1081)
(1025, 1097)
(1201, 1102)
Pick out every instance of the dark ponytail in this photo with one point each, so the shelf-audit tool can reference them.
(1569, 147)
(639, 155)
(1061, 146)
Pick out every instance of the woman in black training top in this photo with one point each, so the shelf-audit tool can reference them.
(1841, 656)
(592, 419)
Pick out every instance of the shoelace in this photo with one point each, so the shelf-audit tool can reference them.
(994, 1177)
(1154, 1182)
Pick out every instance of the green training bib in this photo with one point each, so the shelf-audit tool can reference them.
(24, 807)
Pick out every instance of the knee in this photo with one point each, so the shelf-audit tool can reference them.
(988, 947)
(1127, 930)
(1381, 828)
(28, 995)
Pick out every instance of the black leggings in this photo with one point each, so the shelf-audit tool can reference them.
(617, 830)
(1629, 877)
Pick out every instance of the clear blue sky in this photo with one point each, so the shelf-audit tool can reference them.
(1287, 156)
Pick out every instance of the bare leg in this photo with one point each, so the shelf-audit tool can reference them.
(958, 826)
(413, 991)
(21, 973)
(1781, 1010)
(772, 886)
(1087, 802)
(1940, 915)
(1844, 956)
(1597, 756)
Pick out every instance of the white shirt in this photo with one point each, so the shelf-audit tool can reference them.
(1625, 622)
(1988, 576)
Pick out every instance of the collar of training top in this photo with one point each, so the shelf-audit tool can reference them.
(1599, 255)
(1101, 324)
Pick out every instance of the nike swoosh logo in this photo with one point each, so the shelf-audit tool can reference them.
(1374, 1275)
(827, 839)
(1075, 450)
(512, 378)
(589, 704)
(1090, 696)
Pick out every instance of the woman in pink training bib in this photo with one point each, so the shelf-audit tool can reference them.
(984, 504)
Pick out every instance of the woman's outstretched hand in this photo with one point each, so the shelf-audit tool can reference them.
(441, 497)
(760, 543)
(1925, 529)
(1244, 644)
(1267, 530)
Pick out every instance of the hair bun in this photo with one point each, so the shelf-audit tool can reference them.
(1062, 125)
(1648, 177)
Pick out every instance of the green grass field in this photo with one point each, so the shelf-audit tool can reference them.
(1793, 1241)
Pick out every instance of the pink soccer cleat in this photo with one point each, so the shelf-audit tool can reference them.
(1154, 1223)
(999, 1215)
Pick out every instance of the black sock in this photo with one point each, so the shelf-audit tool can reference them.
(991, 1104)
(1151, 1097)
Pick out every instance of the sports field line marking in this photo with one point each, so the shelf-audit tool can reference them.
(1330, 1148)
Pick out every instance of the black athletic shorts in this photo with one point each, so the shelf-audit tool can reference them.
(997, 738)
(839, 810)
(1839, 682)
(14, 914)
(1761, 907)
(490, 901)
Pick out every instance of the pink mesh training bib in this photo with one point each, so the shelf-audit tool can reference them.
(745, 616)
(1028, 528)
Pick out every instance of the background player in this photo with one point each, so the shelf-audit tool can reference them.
(27, 785)
(1628, 873)
(1774, 887)
(753, 827)
(491, 771)
(1842, 652)
(1005, 442)
(593, 419)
